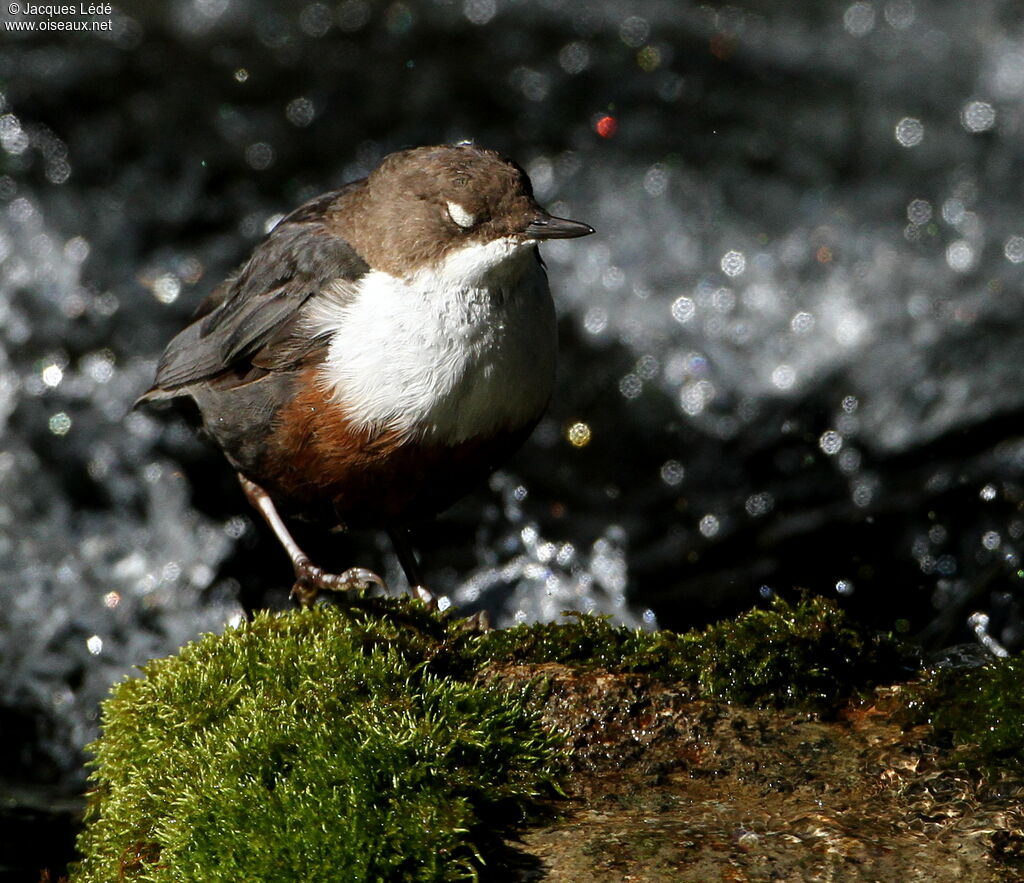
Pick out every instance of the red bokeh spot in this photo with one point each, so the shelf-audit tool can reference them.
(606, 126)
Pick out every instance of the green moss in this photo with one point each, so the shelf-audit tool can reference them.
(367, 743)
(306, 746)
(981, 710)
(805, 654)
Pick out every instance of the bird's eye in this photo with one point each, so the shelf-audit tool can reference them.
(460, 216)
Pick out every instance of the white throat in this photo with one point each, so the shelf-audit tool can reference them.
(462, 350)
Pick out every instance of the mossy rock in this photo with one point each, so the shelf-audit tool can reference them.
(805, 654)
(980, 711)
(302, 746)
(382, 742)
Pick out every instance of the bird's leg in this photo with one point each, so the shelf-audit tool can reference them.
(309, 579)
(407, 558)
(478, 622)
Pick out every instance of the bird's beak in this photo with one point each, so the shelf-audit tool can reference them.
(545, 226)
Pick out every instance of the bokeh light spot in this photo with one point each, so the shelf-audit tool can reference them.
(479, 12)
(606, 127)
(656, 180)
(831, 442)
(784, 377)
(352, 15)
(802, 323)
(759, 504)
(574, 57)
(300, 112)
(259, 156)
(634, 31)
(733, 263)
(961, 256)
(859, 19)
(52, 375)
(709, 526)
(579, 435)
(649, 58)
(683, 309)
(1013, 249)
(978, 116)
(919, 211)
(909, 132)
(672, 472)
(900, 14)
(60, 423)
(991, 540)
(631, 386)
(595, 320)
(166, 288)
(316, 19)
(399, 18)
(723, 46)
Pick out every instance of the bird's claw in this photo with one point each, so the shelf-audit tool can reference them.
(425, 595)
(310, 580)
(478, 622)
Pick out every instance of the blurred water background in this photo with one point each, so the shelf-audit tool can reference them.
(791, 355)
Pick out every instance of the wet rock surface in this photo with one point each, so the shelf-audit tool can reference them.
(668, 788)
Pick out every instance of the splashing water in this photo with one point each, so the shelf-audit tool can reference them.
(790, 355)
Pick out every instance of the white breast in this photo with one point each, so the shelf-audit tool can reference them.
(464, 350)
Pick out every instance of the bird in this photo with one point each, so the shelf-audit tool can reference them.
(385, 348)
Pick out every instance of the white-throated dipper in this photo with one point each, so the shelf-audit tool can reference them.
(384, 349)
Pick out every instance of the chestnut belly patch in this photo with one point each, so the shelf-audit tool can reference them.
(316, 461)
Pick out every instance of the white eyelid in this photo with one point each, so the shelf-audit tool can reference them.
(461, 217)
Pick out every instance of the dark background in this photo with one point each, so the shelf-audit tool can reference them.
(793, 346)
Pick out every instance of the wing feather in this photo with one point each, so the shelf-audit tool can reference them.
(254, 319)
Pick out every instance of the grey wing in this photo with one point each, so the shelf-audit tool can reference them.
(255, 322)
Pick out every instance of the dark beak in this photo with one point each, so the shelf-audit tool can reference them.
(545, 226)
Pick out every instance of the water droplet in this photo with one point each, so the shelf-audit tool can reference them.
(709, 525)
(1013, 249)
(960, 256)
(60, 423)
(978, 116)
(991, 540)
(909, 132)
(919, 211)
(784, 377)
(672, 472)
(831, 442)
(733, 263)
(683, 309)
(52, 375)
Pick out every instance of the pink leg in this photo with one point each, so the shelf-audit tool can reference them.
(309, 579)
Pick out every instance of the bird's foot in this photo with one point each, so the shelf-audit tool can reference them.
(310, 580)
(422, 593)
(478, 622)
